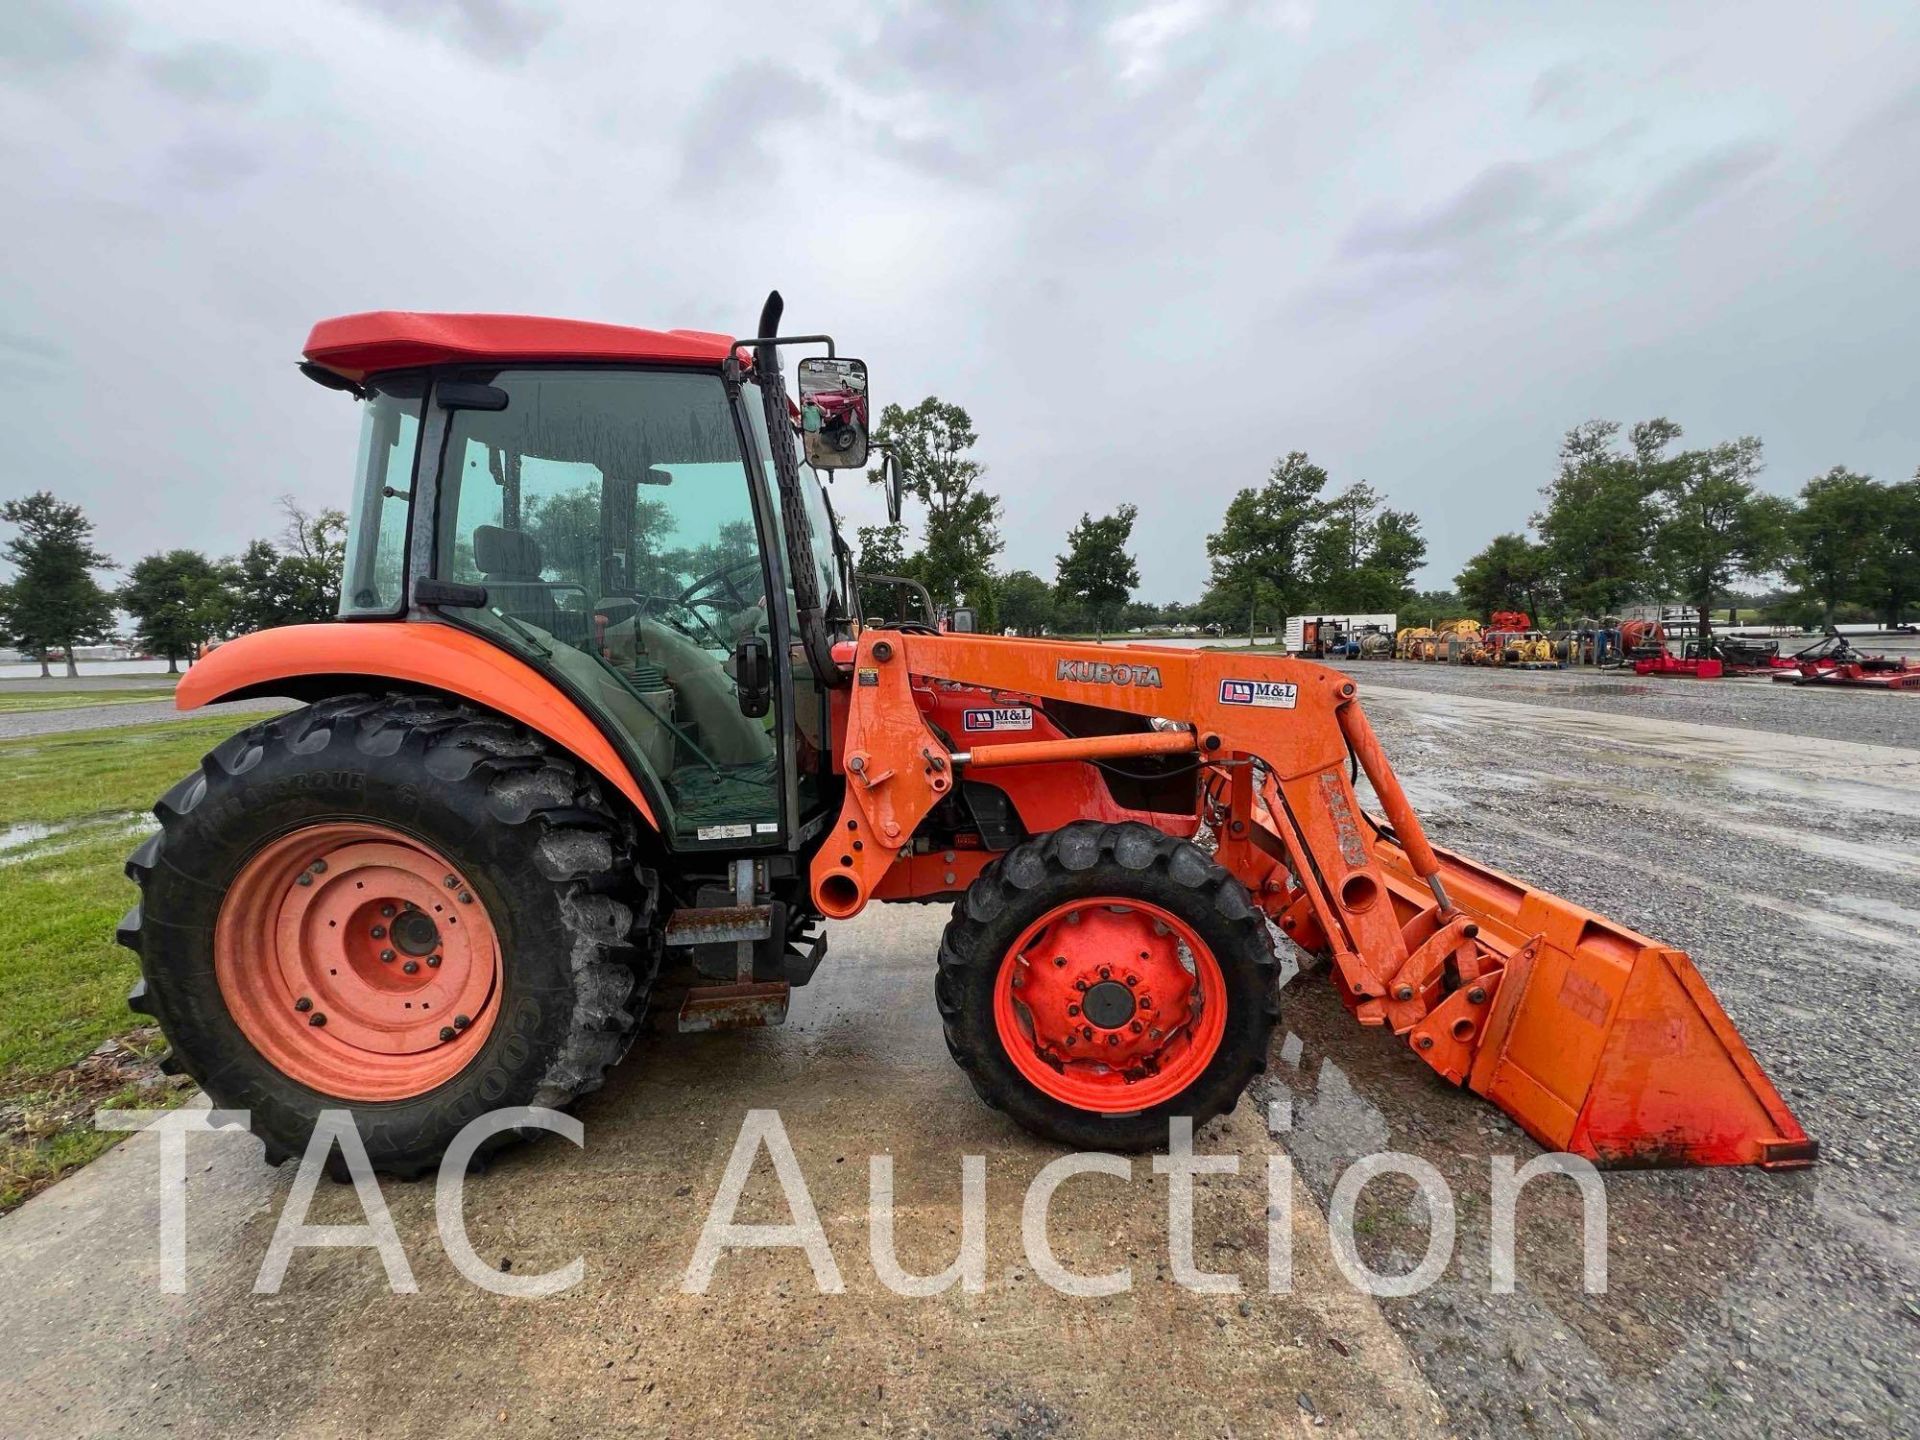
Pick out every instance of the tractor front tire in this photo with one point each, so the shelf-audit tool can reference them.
(1097, 981)
(397, 905)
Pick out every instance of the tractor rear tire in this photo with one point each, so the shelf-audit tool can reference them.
(325, 859)
(1074, 937)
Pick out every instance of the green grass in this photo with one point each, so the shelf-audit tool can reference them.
(63, 980)
(21, 702)
(89, 773)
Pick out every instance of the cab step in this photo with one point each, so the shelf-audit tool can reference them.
(748, 1006)
(719, 924)
(746, 1003)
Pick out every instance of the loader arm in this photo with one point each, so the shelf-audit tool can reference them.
(1595, 1039)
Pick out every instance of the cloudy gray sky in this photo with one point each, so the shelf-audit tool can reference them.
(1149, 248)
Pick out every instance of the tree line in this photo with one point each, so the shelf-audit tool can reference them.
(178, 600)
(1282, 547)
(1640, 520)
(1624, 520)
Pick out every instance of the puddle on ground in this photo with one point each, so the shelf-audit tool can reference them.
(14, 836)
(23, 841)
(1838, 794)
(1873, 909)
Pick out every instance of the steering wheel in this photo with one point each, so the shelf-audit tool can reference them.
(732, 587)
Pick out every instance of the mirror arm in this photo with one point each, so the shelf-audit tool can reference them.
(756, 343)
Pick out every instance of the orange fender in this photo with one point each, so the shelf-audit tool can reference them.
(436, 656)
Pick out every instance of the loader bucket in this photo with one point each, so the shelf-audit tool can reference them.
(1597, 1040)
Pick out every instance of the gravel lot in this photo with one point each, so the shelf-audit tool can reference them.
(1740, 1302)
(1748, 702)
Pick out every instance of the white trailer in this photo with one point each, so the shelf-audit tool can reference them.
(1353, 626)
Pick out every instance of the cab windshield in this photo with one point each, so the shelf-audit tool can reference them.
(383, 496)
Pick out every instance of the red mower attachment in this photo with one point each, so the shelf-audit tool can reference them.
(1706, 668)
(1834, 661)
(1903, 675)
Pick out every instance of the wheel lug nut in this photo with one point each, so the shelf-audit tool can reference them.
(433, 962)
(306, 879)
(1079, 984)
(1113, 1039)
(412, 967)
(466, 897)
(379, 932)
(1138, 1027)
(1087, 1030)
(316, 1018)
(1073, 1009)
(453, 882)
(386, 957)
(460, 1022)
(1106, 972)
(303, 1004)
(446, 1032)
(319, 867)
(387, 911)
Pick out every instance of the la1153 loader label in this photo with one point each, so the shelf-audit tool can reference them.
(1267, 694)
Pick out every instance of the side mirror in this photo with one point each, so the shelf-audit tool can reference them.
(893, 482)
(753, 675)
(833, 411)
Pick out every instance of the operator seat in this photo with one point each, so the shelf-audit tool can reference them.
(509, 565)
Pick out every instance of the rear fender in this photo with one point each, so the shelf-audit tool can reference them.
(308, 661)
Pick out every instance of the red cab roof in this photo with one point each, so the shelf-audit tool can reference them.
(357, 346)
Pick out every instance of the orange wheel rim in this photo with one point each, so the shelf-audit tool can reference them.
(1110, 1005)
(358, 962)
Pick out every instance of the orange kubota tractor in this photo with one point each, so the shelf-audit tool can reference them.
(597, 728)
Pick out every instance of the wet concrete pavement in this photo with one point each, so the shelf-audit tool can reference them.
(88, 1346)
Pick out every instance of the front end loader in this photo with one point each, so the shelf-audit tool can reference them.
(597, 732)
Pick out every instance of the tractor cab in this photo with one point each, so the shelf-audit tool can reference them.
(614, 508)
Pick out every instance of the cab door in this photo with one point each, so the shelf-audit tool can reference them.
(612, 519)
